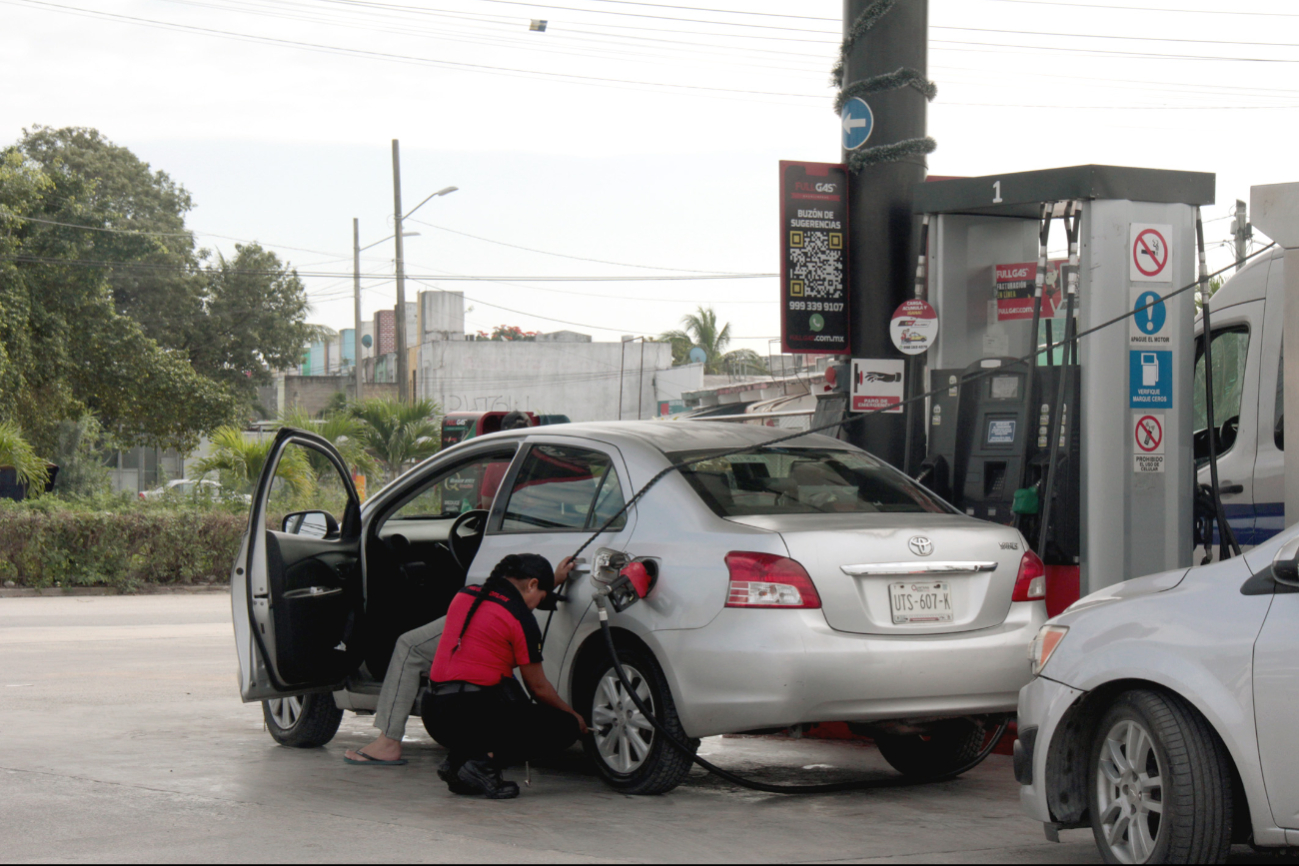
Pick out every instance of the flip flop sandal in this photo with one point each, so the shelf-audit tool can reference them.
(373, 762)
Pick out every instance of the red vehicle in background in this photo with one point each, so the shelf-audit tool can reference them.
(459, 426)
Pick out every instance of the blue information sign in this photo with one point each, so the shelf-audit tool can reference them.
(857, 121)
(1150, 379)
(1151, 319)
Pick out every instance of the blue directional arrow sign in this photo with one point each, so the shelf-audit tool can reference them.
(857, 122)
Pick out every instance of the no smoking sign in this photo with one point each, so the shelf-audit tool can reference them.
(1148, 443)
(1150, 253)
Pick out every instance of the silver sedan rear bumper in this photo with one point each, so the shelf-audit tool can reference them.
(752, 669)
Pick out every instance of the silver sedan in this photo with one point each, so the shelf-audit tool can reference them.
(798, 583)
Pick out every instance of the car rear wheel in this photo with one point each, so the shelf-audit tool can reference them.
(1161, 787)
(628, 753)
(302, 721)
(945, 751)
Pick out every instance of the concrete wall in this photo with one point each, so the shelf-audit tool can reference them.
(313, 393)
(442, 316)
(580, 380)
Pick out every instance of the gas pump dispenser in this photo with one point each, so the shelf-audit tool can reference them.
(1085, 447)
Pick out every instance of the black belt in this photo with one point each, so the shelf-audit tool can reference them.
(455, 688)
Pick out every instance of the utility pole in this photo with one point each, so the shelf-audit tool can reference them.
(403, 377)
(1243, 232)
(882, 229)
(356, 300)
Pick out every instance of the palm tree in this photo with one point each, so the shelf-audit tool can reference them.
(240, 462)
(343, 430)
(17, 453)
(399, 433)
(700, 329)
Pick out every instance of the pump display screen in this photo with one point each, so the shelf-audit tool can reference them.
(1005, 387)
(1001, 431)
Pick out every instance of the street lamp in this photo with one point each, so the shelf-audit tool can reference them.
(403, 377)
(356, 294)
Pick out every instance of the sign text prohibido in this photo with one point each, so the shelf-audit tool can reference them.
(814, 258)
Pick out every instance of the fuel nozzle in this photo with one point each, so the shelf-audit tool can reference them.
(622, 578)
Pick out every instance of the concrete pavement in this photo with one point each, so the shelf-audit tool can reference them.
(124, 740)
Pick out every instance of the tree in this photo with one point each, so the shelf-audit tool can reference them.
(145, 211)
(16, 452)
(700, 329)
(253, 320)
(239, 462)
(509, 333)
(345, 432)
(233, 320)
(66, 349)
(399, 433)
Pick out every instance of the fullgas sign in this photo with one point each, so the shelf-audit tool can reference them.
(814, 258)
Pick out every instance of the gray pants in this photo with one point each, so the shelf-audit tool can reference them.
(412, 656)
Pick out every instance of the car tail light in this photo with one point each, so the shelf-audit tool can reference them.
(1048, 638)
(1030, 584)
(770, 581)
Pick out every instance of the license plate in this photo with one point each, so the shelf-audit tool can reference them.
(921, 603)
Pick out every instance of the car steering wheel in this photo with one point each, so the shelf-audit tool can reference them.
(465, 545)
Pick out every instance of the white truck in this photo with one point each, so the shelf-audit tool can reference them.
(1247, 319)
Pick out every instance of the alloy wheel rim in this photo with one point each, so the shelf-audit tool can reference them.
(285, 711)
(622, 734)
(1130, 792)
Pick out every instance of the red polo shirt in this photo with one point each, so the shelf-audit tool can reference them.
(503, 635)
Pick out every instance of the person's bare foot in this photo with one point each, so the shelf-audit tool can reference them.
(382, 749)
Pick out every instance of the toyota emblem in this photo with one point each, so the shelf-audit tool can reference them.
(921, 546)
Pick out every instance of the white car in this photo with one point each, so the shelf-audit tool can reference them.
(1163, 712)
(185, 487)
(799, 584)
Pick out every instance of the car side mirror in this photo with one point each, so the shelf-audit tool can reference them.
(314, 524)
(1285, 565)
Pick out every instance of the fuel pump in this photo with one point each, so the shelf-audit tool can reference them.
(1083, 445)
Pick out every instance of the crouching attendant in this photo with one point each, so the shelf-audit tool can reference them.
(475, 707)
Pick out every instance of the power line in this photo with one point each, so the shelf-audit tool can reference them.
(725, 11)
(565, 255)
(191, 233)
(1101, 51)
(1148, 8)
(374, 4)
(382, 55)
(1253, 44)
(91, 263)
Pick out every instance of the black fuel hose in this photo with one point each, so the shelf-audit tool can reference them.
(1069, 343)
(828, 788)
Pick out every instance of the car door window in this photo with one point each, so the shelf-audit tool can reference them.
(1230, 352)
(466, 487)
(563, 488)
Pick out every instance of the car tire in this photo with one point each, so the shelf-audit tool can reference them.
(1171, 801)
(302, 721)
(627, 752)
(944, 752)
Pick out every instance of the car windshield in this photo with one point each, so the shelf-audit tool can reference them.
(804, 481)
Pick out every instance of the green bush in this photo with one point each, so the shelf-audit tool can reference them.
(115, 541)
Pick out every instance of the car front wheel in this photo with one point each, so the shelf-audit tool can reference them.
(302, 721)
(628, 753)
(1161, 788)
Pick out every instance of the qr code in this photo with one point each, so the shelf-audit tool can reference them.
(817, 264)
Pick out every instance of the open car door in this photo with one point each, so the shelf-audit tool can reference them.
(296, 591)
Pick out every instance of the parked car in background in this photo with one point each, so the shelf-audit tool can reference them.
(187, 487)
(1162, 712)
(801, 583)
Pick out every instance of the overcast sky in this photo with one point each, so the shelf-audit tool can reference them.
(642, 135)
